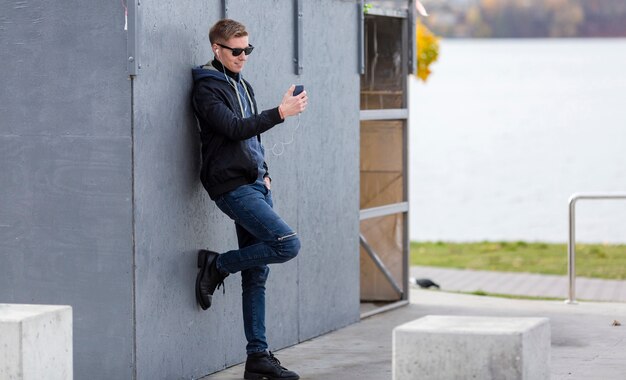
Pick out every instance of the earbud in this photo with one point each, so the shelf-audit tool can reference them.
(217, 54)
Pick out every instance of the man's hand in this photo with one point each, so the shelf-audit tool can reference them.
(293, 105)
(268, 183)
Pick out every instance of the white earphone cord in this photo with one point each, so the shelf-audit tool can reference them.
(281, 144)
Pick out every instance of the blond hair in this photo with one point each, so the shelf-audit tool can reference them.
(225, 29)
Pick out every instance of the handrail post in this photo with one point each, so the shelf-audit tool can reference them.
(571, 239)
(571, 251)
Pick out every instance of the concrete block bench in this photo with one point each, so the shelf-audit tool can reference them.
(454, 347)
(35, 342)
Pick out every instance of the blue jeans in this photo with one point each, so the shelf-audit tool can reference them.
(264, 238)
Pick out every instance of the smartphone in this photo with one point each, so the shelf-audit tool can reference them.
(299, 88)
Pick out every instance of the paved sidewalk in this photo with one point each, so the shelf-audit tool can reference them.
(525, 284)
(585, 344)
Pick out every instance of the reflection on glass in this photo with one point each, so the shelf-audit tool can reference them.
(382, 175)
(385, 236)
(382, 85)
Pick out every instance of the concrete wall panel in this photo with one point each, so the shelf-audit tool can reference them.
(65, 173)
(328, 170)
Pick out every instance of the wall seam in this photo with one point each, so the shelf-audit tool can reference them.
(298, 273)
(134, 250)
(132, 66)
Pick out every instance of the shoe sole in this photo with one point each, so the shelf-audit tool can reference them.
(256, 376)
(202, 258)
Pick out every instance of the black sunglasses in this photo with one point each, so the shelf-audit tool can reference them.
(237, 51)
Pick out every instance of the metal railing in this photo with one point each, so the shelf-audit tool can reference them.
(571, 240)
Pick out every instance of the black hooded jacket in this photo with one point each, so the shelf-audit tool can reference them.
(226, 161)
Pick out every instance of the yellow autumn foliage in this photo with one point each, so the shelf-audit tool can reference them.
(427, 50)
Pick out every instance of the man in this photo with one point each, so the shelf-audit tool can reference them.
(235, 175)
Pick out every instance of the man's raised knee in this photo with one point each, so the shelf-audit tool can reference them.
(290, 247)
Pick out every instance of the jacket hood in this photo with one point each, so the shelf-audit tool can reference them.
(208, 71)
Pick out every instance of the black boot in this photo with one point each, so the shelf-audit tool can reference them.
(208, 279)
(265, 366)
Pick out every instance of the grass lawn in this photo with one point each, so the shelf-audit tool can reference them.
(592, 260)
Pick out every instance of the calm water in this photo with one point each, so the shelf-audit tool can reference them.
(506, 130)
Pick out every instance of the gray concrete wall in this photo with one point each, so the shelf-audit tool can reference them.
(80, 150)
(66, 172)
